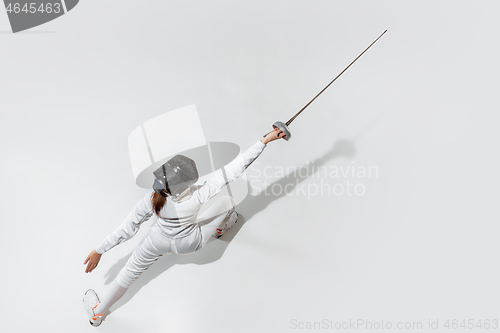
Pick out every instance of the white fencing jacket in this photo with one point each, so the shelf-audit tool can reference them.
(178, 218)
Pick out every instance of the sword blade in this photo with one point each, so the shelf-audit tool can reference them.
(312, 100)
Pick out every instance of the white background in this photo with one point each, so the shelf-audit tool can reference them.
(421, 105)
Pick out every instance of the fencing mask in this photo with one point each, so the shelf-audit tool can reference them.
(175, 175)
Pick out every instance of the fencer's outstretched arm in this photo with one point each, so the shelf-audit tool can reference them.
(234, 169)
(142, 211)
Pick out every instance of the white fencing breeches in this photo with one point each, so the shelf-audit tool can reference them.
(156, 243)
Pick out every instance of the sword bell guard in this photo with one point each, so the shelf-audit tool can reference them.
(282, 126)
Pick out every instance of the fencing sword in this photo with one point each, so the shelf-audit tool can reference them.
(284, 126)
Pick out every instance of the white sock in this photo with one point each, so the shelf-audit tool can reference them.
(114, 293)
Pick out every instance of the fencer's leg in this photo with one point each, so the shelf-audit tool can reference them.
(215, 216)
(144, 255)
(114, 293)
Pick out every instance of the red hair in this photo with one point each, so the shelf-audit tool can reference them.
(158, 200)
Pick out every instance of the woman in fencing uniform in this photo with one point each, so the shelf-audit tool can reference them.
(179, 229)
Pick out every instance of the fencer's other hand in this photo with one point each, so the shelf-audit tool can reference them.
(275, 134)
(92, 261)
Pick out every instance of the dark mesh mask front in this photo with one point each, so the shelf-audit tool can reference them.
(177, 174)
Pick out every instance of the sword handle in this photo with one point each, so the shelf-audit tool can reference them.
(283, 128)
(270, 132)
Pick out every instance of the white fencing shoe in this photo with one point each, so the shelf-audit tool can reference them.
(90, 302)
(226, 224)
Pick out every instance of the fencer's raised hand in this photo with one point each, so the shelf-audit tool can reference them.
(275, 134)
(92, 260)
